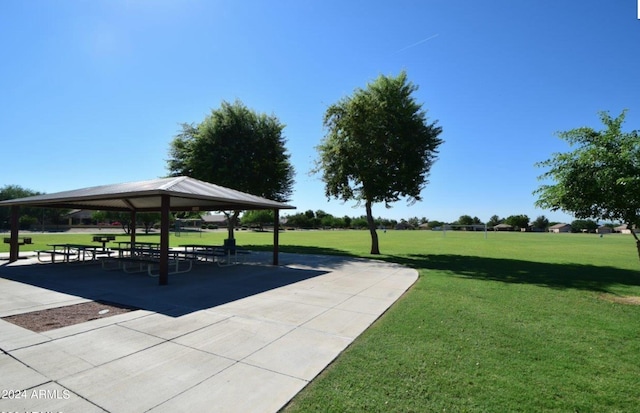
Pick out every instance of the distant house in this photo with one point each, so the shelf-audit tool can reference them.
(424, 226)
(624, 229)
(503, 227)
(214, 219)
(79, 217)
(602, 229)
(560, 228)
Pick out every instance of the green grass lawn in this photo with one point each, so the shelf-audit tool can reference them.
(512, 323)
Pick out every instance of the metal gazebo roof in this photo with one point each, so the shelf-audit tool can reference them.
(185, 194)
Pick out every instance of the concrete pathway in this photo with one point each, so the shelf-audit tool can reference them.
(245, 338)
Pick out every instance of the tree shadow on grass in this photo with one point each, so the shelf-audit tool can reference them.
(561, 276)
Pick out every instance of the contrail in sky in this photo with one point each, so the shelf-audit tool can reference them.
(418, 43)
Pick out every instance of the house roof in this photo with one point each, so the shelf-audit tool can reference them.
(558, 226)
(503, 226)
(185, 193)
(79, 213)
(624, 227)
(214, 218)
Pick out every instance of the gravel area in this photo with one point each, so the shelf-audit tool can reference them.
(53, 318)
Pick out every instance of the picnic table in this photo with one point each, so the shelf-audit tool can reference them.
(73, 252)
(205, 251)
(140, 259)
(139, 244)
(136, 248)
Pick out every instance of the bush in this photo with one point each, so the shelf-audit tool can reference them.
(27, 221)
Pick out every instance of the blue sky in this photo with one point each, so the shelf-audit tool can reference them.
(92, 92)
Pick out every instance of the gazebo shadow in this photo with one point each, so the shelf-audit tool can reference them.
(206, 286)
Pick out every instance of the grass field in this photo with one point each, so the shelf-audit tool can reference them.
(512, 323)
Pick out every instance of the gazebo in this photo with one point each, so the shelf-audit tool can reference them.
(164, 195)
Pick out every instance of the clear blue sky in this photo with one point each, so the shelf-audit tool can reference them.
(92, 92)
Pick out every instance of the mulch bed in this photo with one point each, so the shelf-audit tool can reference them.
(50, 319)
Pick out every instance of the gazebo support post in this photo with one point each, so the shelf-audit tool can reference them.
(276, 235)
(133, 227)
(163, 279)
(13, 243)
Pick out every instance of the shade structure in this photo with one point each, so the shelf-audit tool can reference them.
(185, 194)
(180, 193)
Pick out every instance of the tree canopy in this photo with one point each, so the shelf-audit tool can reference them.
(495, 220)
(237, 148)
(379, 146)
(584, 225)
(541, 223)
(600, 178)
(518, 221)
(29, 216)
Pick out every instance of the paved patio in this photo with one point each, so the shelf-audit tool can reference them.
(244, 338)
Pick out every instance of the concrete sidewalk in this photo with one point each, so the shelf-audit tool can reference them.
(244, 338)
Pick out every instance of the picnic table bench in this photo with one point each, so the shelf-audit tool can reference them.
(67, 256)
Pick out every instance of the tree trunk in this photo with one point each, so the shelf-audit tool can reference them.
(633, 232)
(231, 223)
(375, 248)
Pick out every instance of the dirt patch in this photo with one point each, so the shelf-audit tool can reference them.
(632, 300)
(45, 320)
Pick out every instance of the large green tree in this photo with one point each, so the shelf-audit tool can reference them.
(28, 216)
(541, 223)
(518, 221)
(379, 146)
(584, 225)
(495, 220)
(238, 148)
(599, 178)
(257, 218)
(465, 220)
